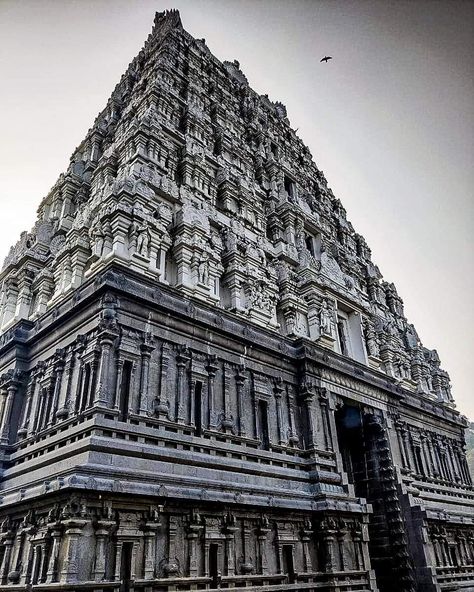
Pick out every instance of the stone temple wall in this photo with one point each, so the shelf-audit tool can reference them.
(205, 383)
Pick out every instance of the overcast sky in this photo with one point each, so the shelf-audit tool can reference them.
(389, 120)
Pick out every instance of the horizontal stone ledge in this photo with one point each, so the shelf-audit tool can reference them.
(183, 490)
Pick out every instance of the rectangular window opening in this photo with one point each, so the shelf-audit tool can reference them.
(290, 186)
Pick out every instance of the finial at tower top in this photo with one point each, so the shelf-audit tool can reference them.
(168, 18)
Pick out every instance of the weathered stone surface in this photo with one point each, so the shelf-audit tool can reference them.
(204, 380)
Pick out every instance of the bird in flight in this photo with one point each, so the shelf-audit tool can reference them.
(326, 59)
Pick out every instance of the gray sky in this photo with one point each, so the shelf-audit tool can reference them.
(389, 120)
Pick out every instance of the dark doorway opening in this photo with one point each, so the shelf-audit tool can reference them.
(288, 565)
(214, 563)
(366, 458)
(198, 407)
(126, 567)
(263, 424)
(454, 559)
(350, 435)
(125, 390)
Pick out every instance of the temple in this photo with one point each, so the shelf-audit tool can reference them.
(205, 382)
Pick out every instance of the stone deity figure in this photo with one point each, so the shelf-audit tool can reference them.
(143, 239)
(325, 319)
(260, 251)
(203, 269)
(132, 236)
(97, 235)
(371, 340)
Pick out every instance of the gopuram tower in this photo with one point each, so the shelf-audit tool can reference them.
(205, 383)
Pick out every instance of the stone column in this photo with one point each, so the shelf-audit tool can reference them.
(247, 565)
(293, 439)
(161, 403)
(426, 455)
(91, 395)
(399, 428)
(406, 447)
(63, 412)
(240, 379)
(9, 391)
(103, 531)
(22, 432)
(118, 385)
(432, 456)
(357, 541)
(35, 572)
(327, 431)
(207, 544)
(341, 542)
(306, 535)
(229, 531)
(277, 393)
(118, 559)
(5, 565)
(262, 541)
(143, 405)
(192, 536)
(452, 462)
(436, 550)
(328, 533)
(70, 568)
(307, 396)
(26, 569)
(51, 574)
(150, 549)
(212, 368)
(58, 375)
(171, 568)
(181, 361)
(102, 394)
(227, 422)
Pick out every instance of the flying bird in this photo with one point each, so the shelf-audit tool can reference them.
(326, 59)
